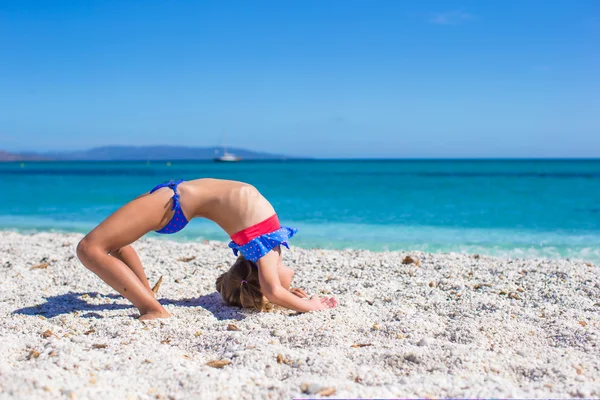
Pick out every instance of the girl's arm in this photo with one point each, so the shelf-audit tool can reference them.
(272, 288)
(285, 276)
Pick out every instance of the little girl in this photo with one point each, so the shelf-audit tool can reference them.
(247, 217)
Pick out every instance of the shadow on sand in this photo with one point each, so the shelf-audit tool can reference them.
(71, 302)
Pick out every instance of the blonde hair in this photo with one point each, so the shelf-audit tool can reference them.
(240, 286)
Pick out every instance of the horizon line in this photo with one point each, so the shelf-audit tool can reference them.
(293, 159)
(281, 157)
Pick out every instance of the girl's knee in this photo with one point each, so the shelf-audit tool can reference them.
(85, 249)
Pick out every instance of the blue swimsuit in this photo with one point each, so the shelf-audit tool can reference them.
(178, 222)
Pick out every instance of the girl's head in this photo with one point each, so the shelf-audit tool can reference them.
(240, 286)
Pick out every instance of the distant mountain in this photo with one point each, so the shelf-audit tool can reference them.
(6, 156)
(146, 153)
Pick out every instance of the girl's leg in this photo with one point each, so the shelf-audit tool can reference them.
(126, 225)
(128, 255)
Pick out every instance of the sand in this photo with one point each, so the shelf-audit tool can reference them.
(455, 325)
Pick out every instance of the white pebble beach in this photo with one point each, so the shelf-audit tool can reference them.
(443, 325)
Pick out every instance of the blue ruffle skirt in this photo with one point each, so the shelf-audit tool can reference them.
(261, 245)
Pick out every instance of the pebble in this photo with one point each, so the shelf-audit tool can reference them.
(268, 371)
(413, 358)
(312, 388)
(411, 260)
(424, 342)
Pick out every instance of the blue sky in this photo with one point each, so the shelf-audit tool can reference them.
(307, 78)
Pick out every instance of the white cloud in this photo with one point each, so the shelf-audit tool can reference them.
(450, 18)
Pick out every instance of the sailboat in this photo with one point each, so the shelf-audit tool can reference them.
(226, 157)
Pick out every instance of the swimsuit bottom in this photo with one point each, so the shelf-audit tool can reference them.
(178, 221)
(256, 241)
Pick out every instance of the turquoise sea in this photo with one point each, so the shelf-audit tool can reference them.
(517, 208)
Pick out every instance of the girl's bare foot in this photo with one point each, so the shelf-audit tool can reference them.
(153, 315)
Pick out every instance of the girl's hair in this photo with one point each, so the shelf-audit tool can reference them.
(240, 286)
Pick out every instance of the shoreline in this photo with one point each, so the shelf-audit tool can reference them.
(524, 252)
(454, 325)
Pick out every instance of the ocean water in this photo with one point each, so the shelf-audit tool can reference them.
(535, 208)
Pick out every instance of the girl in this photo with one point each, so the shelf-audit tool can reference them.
(247, 217)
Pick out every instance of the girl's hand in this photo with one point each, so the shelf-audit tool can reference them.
(299, 293)
(322, 303)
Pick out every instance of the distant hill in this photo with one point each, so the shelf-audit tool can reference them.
(6, 156)
(144, 153)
